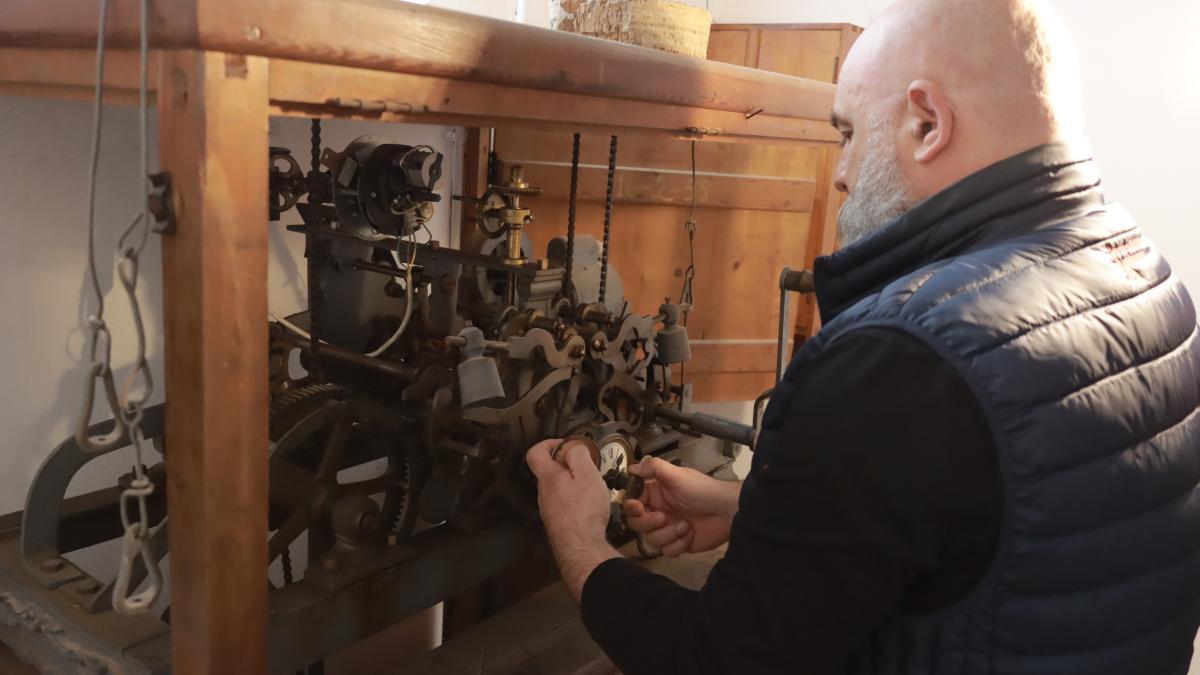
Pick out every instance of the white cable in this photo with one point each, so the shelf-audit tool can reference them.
(290, 326)
(408, 297)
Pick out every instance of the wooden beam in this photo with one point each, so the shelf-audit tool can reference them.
(408, 38)
(307, 89)
(650, 186)
(213, 140)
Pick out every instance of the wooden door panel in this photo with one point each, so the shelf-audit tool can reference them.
(803, 52)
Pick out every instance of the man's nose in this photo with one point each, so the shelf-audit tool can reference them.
(839, 176)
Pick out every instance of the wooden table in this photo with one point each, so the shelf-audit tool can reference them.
(219, 70)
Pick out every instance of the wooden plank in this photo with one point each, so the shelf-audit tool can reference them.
(787, 160)
(648, 186)
(802, 53)
(408, 38)
(739, 254)
(728, 46)
(725, 356)
(213, 141)
(73, 67)
(823, 237)
(722, 387)
(300, 86)
(850, 34)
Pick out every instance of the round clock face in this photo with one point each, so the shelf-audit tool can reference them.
(615, 454)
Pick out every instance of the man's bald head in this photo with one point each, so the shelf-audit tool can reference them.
(948, 87)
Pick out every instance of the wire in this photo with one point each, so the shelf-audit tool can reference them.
(97, 120)
(408, 295)
(686, 296)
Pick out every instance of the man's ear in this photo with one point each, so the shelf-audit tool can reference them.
(930, 119)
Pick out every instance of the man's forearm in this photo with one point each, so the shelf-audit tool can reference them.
(577, 557)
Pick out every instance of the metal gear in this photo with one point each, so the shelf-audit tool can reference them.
(314, 429)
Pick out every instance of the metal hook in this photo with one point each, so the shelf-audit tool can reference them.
(136, 542)
(119, 436)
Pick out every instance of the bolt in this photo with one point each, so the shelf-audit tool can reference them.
(88, 587)
(329, 563)
(253, 33)
(51, 564)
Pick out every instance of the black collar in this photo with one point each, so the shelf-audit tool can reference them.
(1007, 199)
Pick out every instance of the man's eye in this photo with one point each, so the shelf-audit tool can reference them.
(846, 136)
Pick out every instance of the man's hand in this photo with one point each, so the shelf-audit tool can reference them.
(575, 506)
(681, 510)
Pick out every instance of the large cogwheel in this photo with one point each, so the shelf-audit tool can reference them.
(316, 432)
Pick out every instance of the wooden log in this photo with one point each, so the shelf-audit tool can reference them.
(408, 38)
(213, 141)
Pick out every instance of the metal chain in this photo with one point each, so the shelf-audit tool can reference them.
(286, 562)
(569, 281)
(608, 204)
(314, 255)
(127, 406)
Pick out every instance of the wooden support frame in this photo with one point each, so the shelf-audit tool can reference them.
(213, 121)
(220, 68)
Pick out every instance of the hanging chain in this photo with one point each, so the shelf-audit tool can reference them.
(315, 257)
(128, 405)
(569, 280)
(608, 204)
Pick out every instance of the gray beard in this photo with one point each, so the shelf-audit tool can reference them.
(881, 195)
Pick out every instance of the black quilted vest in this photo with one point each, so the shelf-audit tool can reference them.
(1081, 348)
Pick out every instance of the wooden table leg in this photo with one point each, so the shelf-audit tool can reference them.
(213, 140)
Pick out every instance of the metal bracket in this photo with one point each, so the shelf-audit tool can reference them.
(158, 203)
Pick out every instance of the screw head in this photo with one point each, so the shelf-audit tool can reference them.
(253, 33)
(51, 564)
(88, 587)
(392, 539)
(329, 563)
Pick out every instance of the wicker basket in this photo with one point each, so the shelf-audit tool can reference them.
(662, 24)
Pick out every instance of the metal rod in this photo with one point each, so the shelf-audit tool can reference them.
(709, 425)
(781, 345)
(399, 370)
(608, 204)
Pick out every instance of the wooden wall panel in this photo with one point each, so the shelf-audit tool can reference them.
(650, 186)
(728, 46)
(813, 54)
(755, 206)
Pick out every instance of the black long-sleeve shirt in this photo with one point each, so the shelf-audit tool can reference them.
(882, 497)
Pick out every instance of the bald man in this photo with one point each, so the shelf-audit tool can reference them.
(987, 460)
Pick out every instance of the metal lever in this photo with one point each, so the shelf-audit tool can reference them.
(799, 281)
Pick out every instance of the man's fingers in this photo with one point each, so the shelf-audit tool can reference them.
(633, 508)
(647, 468)
(648, 522)
(679, 546)
(539, 460)
(579, 460)
(667, 534)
